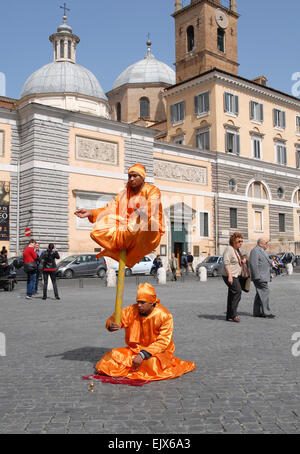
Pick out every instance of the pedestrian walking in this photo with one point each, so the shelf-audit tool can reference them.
(48, 259)
(38, 263)
(190, 260)
(261, 266)
(232, 275)
(173, 265)
(30, 267)
(183, 262)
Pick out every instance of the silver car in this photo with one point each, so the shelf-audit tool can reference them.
(82, 265)
(213, 265)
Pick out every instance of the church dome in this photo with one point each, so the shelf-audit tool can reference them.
(63, 77)
(148, 70)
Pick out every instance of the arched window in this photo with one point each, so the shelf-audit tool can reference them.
(118, 111)
(190, 38)
(69, 50)
(257, 191)
(221, 40)
(144, 108)
(62, 48)
(297, 197)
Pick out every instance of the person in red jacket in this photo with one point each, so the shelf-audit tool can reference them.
(30, 267)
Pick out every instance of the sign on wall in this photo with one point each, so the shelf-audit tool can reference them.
(4, 210)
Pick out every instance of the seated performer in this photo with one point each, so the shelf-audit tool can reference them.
(132, 221)
(148, 334)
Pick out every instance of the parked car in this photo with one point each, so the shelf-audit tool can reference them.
(82, 265)
(143, 267)
(20, 274)
(213, 265)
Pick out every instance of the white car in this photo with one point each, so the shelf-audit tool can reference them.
(143, 267)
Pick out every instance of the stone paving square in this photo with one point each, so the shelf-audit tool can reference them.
(246, 381)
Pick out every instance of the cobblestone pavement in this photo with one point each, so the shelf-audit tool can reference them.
(246, 381)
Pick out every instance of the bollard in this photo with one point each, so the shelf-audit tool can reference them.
(111, 278)
(203, 274)
(162, 276)
(289, 268)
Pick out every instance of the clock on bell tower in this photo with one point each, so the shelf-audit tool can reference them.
(205, 37)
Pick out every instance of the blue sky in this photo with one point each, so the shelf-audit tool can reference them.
(113, 36)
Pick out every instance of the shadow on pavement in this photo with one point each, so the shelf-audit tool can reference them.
(221, 317)
(91, 354)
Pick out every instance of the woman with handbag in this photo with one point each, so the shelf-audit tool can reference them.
(233, 273)
(30, 267)
(48, 258)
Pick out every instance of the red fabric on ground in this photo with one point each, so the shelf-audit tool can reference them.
(116, 380)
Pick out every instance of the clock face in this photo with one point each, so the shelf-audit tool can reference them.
(221, 18)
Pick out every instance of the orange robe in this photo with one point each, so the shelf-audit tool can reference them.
(152, 333)
(134, 222)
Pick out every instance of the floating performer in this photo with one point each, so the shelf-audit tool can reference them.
(128, 227)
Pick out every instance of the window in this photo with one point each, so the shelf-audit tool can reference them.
(190, 38)
(62, 48)
(232, 144)
(257, 191)
(258, 220)
(297, 197)
(221, 40)
(298, 223)
(297, 124)
(233, 218)
(144, 108)
(179, 140)
(69, 50)
(279, 118)
(177, 112)
(280, 193)
(201, 103)
(231, 103)
(256, 111)
(256, 148)
(232, 185)
(297, 157)
(281, 222)
(204, 224)
(281, 155)
(203, 140)
(119, 111)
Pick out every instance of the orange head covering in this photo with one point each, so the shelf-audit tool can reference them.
(147, 293)
(138, 168)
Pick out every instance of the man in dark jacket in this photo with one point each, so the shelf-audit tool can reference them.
(48, 258)
(190, 260)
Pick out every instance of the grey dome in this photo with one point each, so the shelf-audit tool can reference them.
(146, 71)
(63, 77)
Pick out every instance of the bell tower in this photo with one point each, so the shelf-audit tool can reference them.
(205, 37)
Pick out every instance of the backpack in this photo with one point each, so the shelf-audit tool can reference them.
(18, 263)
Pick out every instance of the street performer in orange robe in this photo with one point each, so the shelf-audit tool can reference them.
(133, 221)
(148, 334)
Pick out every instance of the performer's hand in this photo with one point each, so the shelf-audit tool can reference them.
(136, 362)
(83, 213)
(113, 327)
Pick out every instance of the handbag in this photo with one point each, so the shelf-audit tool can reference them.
(244, 278)
(30, 267)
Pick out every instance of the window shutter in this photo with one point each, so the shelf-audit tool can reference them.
(207, 144)
(226, 102)
(182, 110)
(251, 110)
(206, 102)
(196, 104)
(206, 224)
(237, 144)
(297, 159)
(274, 117)
(236, 105)
(284, 157)
(283, 124)
(261, 106)
(173, 113)
(226, 142)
